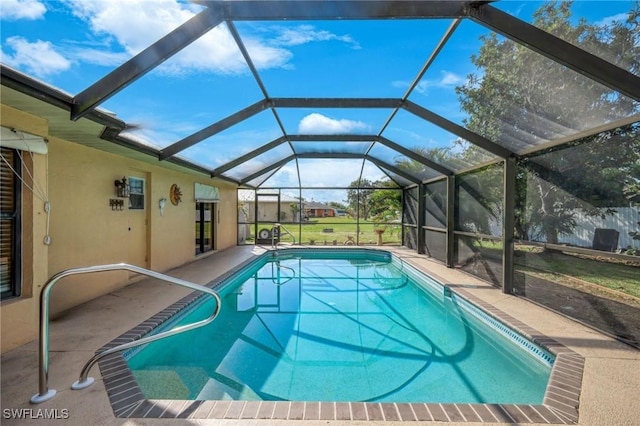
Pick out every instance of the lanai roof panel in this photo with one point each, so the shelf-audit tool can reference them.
(330, 147)
(357, 121)
(259, 162)
(525, 101)
(411, 166)
(342, 52)
(235, 141)
(441, 146)
(258, 72)
(592, 36)
(319, 172)
(285, 176)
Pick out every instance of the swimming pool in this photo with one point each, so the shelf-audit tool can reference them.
(356, 325)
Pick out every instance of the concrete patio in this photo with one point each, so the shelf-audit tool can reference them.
(610, 382)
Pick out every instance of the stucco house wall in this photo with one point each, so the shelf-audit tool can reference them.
(86, 231)
(19, 316)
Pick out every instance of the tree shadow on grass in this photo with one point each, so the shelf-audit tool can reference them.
(616, 319)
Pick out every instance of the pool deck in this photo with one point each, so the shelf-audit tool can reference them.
(610, 387)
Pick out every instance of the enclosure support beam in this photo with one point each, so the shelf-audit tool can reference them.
(300, 214)
(451, 197)
(414, 156)
(456, 129)
(393, 169)
(255, 217)
(213, 129)
(267, 169)
(335, 102)
(358, 216)
(558, 143)
(256, 152)
(346, 137)
(420, 220)
(403, 203)
(277, 10)
(508, 225)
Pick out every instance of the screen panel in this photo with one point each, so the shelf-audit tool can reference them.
(479, 201)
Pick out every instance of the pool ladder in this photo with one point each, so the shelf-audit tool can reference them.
(275, 235)
(45, 393)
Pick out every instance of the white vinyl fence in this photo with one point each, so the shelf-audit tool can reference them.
(624, 221)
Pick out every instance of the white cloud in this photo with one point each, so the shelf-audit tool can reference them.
(135, 26)
(450, 79)
(400, 84)
(13, 10)
(39, 58)
(265, 57)
(303, 34)
(609, 20)
(126, 27)
(96, 56)
(287, 176)
(447, 80)
(320, 124)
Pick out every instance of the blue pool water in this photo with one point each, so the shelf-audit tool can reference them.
(338, 326)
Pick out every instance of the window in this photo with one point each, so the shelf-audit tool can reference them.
(136, 193)
(10, 216)
(204, 227)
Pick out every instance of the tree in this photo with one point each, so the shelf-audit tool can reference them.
(595, 175)
(520, 99)
(358, 197)
(295, 209)
(385, 204)
(337, 205)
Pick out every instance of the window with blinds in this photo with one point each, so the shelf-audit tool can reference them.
(9, 224)
(136, 193)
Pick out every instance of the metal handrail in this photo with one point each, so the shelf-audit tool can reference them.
(45, 393)
(273, 234)
(279, 266)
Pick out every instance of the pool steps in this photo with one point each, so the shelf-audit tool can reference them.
(44, 393)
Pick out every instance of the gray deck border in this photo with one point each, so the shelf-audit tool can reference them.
(560, 404)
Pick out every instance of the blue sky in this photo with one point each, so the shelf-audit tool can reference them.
(71, 43)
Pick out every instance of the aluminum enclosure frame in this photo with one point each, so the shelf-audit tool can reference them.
(85, 104)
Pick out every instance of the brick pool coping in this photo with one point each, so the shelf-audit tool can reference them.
(560, 404)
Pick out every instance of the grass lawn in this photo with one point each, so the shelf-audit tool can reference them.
(327, 229)
(591, 274)
(563, 267)
(574, 270)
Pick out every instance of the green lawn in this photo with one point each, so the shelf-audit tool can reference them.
(588, 273)
(559, 267)
(339, 229)
(562, 267)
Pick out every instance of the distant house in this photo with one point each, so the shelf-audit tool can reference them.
(268, 209)
(312, 209)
